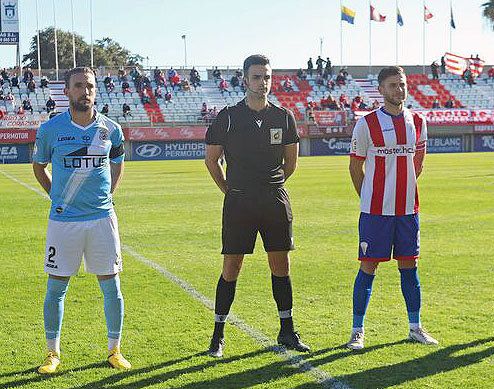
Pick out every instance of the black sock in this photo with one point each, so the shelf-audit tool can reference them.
(225, 293)
(282, 293)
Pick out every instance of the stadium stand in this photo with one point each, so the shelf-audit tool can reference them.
(185, 106)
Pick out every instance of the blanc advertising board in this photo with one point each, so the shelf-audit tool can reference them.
(341, 146)
(145, 151)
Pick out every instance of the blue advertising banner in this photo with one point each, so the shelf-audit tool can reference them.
(483, 143)
(330, 146)
(144, 151)
(446, 144)
(15, 153)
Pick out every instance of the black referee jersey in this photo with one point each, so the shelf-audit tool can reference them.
(253, 143)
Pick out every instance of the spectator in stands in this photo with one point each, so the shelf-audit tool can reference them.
(122, 75)
(409, 106)
(214, 112)
(158, 92)
(126, 110)
(375, 105)
(5, 76)
(333, 104)
(185, 85)
(31, 86)
(10, 98)
(216, 74)
(204, 110)
(27, 106)
(2, 97)
(490, 73)
(50, 105)
(175, 81)
(235, 82)
(435, 70)
(319, 65)
(287, 84)
(310, 111)
(344, 103)
(14, 81)
(105, 110)
(328, 69)
(195, 78)
(435, 104)
(170, 74)
(135, 73)
(468, 77)
(357, 100)
(324, 103)
(126, 87)
(330, 84)
(108, 82)
(27, 76)
(146, 82)
(302, 74)
(443, 65)
(310, 67)
(319, 80)
(223, 86)
(43, 82)
(449, 104)
(20, 110)
(145, 98)
(168, 97)
(341, 78)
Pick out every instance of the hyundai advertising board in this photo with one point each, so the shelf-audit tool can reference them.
(145, 151)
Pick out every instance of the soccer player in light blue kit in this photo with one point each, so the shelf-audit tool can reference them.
(86, 150)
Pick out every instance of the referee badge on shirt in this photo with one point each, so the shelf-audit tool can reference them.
(276, 136)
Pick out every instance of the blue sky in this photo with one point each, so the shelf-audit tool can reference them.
(221, 32)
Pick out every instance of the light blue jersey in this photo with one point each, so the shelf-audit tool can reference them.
(80, 157)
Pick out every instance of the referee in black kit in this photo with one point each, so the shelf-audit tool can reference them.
(260, 143)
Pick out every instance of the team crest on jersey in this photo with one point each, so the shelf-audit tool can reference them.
(364, 246)
(103, 133)
(276, 136)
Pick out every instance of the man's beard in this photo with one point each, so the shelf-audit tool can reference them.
(77, 106)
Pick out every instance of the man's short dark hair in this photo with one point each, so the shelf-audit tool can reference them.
(80, 69)
(388, 72)
(256, 59)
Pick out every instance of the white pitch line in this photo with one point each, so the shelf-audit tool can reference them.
(296, 360)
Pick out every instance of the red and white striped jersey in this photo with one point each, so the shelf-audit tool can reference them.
(388, 145)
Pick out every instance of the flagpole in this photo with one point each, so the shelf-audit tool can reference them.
(370, 39)
(396, 34)
(423, 38)
(341, 38)
(37, 40)
(450, 26)
(56, 41)
(73, 33)
(91, 28)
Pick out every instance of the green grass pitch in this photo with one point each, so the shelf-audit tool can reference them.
(170, 213)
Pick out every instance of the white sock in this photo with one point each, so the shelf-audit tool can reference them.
(53, 345)
(415, 326)
(357, 329)
(112, 343)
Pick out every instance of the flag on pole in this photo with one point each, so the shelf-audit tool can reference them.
(347, 14)
(376, 16)
(452, 21)
(457, 65)
(399, 19)
(427, 14)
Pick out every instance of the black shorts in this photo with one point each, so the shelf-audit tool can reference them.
(266, 211)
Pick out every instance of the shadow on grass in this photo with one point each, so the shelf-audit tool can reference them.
(439, 361)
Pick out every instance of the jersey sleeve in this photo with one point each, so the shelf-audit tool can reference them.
(216, 133)
(42, 146)
(420, 125)
(117, 151)
(360, 140)
(291, 132)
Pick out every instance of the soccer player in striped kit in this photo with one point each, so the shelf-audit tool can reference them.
(391, 143)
